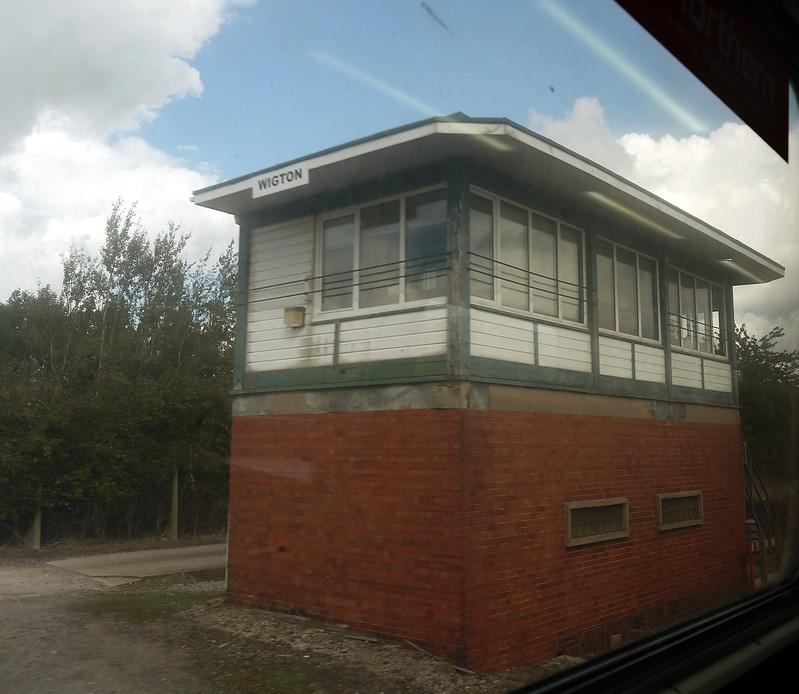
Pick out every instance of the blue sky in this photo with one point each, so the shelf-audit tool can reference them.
(146, 101)
(269, 97)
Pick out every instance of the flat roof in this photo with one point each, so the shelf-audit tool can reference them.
(506, 146)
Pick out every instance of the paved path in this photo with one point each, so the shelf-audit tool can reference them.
(127, 567)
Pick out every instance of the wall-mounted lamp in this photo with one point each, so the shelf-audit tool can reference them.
(294, 317)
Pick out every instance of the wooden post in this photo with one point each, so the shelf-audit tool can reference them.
(35, 533)
(173, 513)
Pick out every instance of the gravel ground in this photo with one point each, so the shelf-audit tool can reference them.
(383, 661)
(63, 632)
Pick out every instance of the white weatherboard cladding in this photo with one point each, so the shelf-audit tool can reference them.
(495, 336)
(282, 255)
(650, 364)
(394, 336)
(272, 345)
(615, 357)
(279, 255)
(718, 376)
(686, 370)
(562, 348)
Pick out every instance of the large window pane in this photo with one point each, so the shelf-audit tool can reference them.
(704, 327)
(647, 286)
(337, 262)
(513, 254)
(719, 325)
(379, 255)
(545, 273)
(687, 311)
(481, 245)
(674, 307)
(628, 301)
(426, 245)
(570, 273)
(605, 287)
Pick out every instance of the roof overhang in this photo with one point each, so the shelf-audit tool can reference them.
(514, 150)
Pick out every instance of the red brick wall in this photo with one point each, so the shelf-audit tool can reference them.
(351, 517)
(448, 526)
(528, 596)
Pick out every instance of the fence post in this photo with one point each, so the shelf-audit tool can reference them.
(173, 513)
(35, 532)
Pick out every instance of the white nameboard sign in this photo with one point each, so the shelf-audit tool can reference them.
(282, 179)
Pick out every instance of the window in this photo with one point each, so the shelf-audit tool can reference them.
(679, 509)
(596, 521)
(426, 246)
(627, 291)
(379, 255)
(481, 246)
(696, 313)
(532, 263)
(514, 257)
(385, 253)
(337, 262)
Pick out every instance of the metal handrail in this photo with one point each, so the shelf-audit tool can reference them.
(759, 506)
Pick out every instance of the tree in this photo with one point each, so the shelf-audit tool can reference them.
(768, 385)
(108, 387)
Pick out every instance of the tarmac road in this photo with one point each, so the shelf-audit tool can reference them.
(127, 567)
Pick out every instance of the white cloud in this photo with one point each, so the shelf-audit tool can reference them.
(585, 131)
(61, 188)
(105, 66)
(729, 178)
(72, 74)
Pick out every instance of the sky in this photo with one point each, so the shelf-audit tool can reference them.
(146, 101)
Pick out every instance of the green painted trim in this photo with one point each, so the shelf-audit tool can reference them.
(336, 342)
(509, 372)
(613, 385)
(732, 354)
(535, 343)
(240, 343)
(495, 371)
(593, 304)
(665, 329)
(702, 397)
(458, 324)
(367, 373)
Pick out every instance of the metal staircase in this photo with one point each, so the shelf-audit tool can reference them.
(761, 523)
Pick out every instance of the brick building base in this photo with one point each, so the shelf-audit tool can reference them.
(447, 526)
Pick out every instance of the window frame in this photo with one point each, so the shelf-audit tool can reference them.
(663, 526)
(496, 303)
(658, 341)
(672, 312)
(355, 210)
(603, 537)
